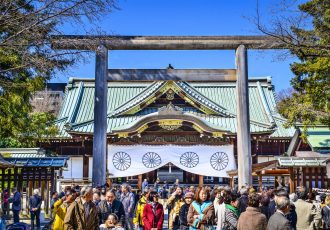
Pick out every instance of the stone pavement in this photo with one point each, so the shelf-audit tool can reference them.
(26, 219)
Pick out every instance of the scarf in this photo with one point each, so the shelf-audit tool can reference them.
(233, 209)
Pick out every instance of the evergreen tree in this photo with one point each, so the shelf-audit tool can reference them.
(308, 38)
(27, 61)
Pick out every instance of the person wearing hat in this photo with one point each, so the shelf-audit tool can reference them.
(153, 213)
(188, 199)
(137, 220)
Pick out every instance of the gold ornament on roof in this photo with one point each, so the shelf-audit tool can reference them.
(170, 95)
(170, 125)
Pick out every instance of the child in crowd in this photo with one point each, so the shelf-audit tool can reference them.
(111, 223)
(188, 199)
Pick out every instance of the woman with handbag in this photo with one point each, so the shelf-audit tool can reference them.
(201, 211)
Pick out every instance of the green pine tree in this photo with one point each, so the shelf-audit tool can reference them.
(310, 101)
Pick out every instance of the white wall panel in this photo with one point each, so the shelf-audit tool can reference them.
(75, 168)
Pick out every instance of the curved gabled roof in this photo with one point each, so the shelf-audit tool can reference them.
(212, 102)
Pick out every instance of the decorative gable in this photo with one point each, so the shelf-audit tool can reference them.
(169, 89)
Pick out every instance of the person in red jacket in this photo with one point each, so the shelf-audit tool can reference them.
(153, 213)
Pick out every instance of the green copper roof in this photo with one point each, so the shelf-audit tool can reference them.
(77, 112)
(318, 138)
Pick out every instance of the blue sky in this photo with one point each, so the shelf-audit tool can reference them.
(185, 17)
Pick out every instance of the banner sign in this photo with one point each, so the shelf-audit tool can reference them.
(132, 160)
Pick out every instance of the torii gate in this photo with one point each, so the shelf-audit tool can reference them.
(101, 45)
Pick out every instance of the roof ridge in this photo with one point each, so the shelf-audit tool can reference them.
(265, 103)
(134, 101)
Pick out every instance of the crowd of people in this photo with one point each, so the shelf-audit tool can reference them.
(221, 208)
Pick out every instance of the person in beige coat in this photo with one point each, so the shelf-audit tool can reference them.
(175, 202)
(308, 218)
(82, 213)
(252, 218)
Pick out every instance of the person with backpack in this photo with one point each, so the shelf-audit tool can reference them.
(325, 211)
(35, 208)
(137, 220)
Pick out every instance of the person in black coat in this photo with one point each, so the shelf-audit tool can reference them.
(35, 207)
(188, 199)
(264, 208)
(109, 206)
(243, 200)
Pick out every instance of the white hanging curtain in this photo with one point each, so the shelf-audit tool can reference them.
(204, 160)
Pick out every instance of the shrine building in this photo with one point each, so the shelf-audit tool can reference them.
(168, 129)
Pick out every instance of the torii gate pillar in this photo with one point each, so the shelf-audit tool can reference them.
(100, 117)
(243, 119)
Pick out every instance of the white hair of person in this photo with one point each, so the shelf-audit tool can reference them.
(85, 190)
(36, 191)
(127, 186)
(282, 202)
(293, 197)
(318, 198)
(243, 191)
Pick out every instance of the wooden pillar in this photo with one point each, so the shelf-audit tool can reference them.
(201, 181)
(52, 180)
(42, 189)
(40, 171)
(243, 119)
(323, 175)
(16, 179)
(317, 174)
(30, 184)
(85, 167)
(139, 181)
(47, 197)
(100, 117)
(310, 177)
(260, 182)
(303, 174)
(9, 172)
(3, 179)
(232, 182)
(291, 178)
